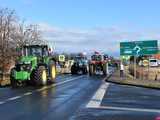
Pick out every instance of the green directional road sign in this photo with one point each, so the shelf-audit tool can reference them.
(148, 47)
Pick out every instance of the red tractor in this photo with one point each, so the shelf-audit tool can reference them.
(98, 64)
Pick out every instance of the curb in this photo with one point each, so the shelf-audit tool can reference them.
(106, 78)
(142, 86)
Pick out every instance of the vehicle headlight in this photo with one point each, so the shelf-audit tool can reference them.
(80, 64)
(19, 62)
(27, 62)
(26, 67)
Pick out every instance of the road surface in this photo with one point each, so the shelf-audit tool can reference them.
(79, 98)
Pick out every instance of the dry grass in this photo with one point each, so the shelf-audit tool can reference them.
(128, 80)
(5, 82)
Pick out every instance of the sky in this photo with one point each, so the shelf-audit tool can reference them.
(88, 25)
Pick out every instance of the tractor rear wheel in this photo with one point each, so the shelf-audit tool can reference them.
(40, 76)
(52, 71)
(91, 70)
(74, 69)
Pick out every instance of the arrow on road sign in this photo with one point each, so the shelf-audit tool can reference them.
(137, 49)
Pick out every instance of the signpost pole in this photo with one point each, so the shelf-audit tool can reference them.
(135, 71)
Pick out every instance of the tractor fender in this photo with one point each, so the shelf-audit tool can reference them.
(42, 64)
(52, 59)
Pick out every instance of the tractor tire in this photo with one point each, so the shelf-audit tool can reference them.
(91, 70)
(73, 70)
(40, 76)
(32, 81)
(104, 69)
(52, 71)
(85, 70)
(14, 83)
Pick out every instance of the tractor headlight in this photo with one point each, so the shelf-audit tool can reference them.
(19, 62)
(28, 62)
(26, 67)
(80, 64)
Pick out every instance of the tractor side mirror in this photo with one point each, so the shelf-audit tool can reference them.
(19, 51)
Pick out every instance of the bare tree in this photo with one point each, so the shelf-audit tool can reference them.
(33, 35)
(27, 35)
(7, 19)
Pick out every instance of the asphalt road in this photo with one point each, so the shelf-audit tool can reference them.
(121, 102)
(59, 101)
(80, 98)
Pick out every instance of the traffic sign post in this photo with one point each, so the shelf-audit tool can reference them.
(137, 48)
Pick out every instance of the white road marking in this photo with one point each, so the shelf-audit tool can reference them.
(2, 103)
(38, 90)
(28, 93)
(97, 98)
(129, 109)
(13, 98)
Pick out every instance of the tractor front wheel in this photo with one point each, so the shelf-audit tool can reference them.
(85, 70)
(41, 76)
(91, 70)
(14, 83)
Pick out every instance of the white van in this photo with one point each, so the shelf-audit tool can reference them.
(153, 63)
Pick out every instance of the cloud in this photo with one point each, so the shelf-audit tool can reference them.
(99, 38)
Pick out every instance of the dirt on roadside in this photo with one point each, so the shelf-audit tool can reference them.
(143, 73)
(128, 80)
(5, 81)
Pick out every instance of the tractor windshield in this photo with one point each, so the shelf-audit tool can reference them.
(96, 57)
(80, 58)
(35, 51)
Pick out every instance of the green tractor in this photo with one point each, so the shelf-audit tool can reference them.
(35, 66)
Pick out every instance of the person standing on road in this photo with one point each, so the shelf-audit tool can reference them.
(121, 70)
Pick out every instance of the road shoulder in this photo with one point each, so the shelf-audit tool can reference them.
(128, 80)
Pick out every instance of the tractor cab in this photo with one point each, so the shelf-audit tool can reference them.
(98, 58)
(31, 55)
(81, 59)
